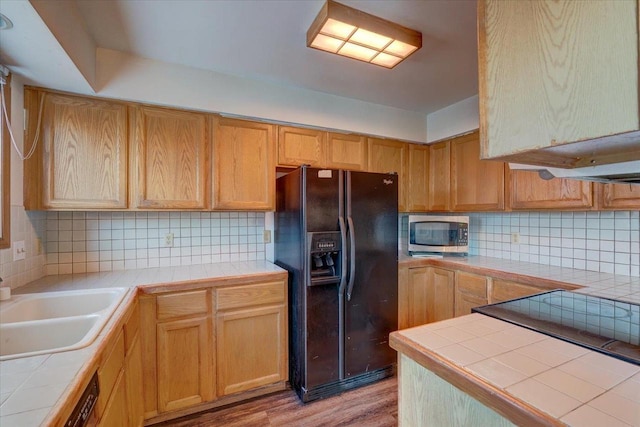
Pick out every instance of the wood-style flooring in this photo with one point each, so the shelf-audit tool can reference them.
(375, 405)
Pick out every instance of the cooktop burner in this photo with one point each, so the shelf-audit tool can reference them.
(609, 326)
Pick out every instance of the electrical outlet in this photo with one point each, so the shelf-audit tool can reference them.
(515, 238)
(168, 240)
(267, 236)
(19, 251)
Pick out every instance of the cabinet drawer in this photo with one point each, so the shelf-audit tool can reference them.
(502, 290)
(471, 284)
(108, 373)
(182, 304)
(248, 295)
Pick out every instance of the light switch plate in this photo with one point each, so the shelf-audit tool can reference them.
(18, 250)
(267, 236)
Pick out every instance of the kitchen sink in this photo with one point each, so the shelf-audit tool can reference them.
(52, 322)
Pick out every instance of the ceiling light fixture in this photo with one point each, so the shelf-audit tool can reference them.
(355, 34)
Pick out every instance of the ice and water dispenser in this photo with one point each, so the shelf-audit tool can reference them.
(324, 253)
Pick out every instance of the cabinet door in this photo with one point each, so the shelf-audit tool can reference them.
(439, 176)
(244, 165)
(298, 146)
(84, 153)
(471, 291)
(347, 152)
(184, 363)
(502, 290)
(476, 185)
(251, 348)
(418, 178)
(133, 378)
(390, 156)
(416, 307)
(440, 294)
(170, 150)
(549, 75)
(115, 413)
(620, 196)
(529, 191)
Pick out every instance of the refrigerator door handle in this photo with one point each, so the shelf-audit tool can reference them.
(352, 258)
(343, 262)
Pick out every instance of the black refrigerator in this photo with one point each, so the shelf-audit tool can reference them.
(336, 233)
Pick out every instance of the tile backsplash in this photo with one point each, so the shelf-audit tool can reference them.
(607, 242)
(78, 242)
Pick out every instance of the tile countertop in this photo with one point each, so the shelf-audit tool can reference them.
(33, 388)
(488, 357)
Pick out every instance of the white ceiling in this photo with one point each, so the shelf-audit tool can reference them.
(265, 40)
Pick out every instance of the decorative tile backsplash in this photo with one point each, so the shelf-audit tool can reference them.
(78, 242)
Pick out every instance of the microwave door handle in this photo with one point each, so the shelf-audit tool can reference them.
(352, 260)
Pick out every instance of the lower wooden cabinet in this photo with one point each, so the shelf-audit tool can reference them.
(503, 290)
(120, 377)
(471, 291)
(184, 363)
(426, 295)
(205, 345)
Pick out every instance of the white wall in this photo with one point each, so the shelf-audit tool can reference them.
(453, 120)
(129, 77)
(25, 226)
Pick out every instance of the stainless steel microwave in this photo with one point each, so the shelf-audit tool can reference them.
(438, 234)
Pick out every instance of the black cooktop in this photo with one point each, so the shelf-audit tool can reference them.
(609, 326)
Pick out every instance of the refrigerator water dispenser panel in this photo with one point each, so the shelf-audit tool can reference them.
(324, 254)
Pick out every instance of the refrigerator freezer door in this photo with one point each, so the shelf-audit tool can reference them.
(372, 312)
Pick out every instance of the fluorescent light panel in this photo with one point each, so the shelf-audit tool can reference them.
(355, 34)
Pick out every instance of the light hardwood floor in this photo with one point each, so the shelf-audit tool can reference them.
(375, 405)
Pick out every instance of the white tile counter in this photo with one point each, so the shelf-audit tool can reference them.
(32, 389)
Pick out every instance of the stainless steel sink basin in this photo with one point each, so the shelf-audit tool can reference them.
(51, 322)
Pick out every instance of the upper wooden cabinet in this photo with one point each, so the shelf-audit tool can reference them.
(244, 172)
(300, 146)
(529, 191)
(619, 196)
(557, 72)
(476, 185)
(417, 182)
(439, 176)
(387, 156)
(169, 158)
(81, 160)
(346, 151)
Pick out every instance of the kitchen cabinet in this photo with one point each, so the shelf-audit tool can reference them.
(417, 182)
(425, 295)
(169, 151)
(504, 290)
(387, 156)
(120, 377)
(81, 158)
(555, 72)
(184, 345)
(439, 176)
(476, 185)
(300, 146)
(213, 345)
(243, 165)
(619, 196)
(346, 151)
(251, 336)
(470, 292)
(528, 191)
